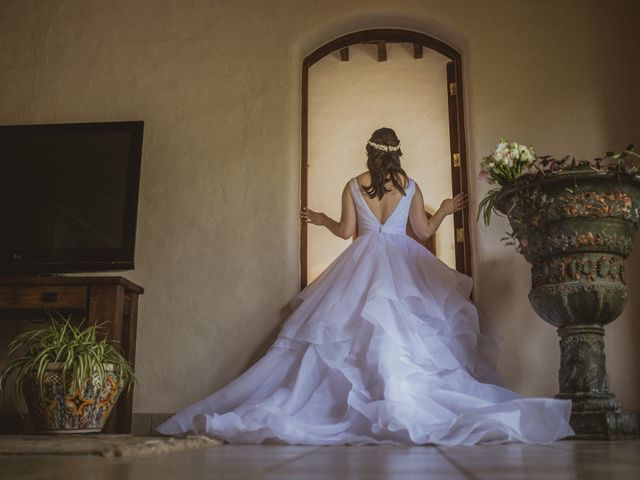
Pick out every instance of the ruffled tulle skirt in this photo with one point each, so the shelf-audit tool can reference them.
(383, 347)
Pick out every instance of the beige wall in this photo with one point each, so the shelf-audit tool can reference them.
(347, 102)
(218, 85)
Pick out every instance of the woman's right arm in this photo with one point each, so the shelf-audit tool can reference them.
(346, 227)
(425, 227)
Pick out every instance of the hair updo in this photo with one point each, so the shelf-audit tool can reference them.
(384, 165)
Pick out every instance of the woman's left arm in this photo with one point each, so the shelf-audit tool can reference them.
(425, 227)
(346, 227)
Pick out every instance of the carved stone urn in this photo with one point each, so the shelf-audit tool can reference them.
(575, 228)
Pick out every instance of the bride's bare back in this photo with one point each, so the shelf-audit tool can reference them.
(381, 209)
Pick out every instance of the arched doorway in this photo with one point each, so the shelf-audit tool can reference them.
(451, 87)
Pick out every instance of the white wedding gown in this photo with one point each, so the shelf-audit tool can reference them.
(383, 347)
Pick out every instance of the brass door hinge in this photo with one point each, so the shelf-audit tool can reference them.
(459, 235)
(453, 89)
(456, 159)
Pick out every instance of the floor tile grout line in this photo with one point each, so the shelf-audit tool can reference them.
(275, 467)
(463, 470)
(596, 454)
(553, 446)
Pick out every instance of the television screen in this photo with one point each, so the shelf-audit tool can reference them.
(69, 196)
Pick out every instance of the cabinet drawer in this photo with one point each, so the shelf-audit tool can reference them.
(43, 297)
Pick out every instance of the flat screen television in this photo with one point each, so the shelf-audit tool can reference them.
(69, 197)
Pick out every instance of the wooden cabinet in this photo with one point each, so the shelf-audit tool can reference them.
(110, 300)
(43, 297)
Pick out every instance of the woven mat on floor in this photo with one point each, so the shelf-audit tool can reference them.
(100, 444)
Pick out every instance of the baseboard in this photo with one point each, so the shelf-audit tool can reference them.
(13, 423)
(142, 424)
(145, 423)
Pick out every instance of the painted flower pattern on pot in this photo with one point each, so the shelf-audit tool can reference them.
(84, 409)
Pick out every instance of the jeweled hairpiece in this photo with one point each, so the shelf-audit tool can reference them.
(384, 148)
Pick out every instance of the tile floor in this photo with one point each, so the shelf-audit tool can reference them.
(561, 460)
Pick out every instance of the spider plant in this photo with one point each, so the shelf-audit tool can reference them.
(76, 350)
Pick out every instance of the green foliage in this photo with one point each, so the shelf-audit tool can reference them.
(78, 349)
(487, 206)
(626, 162)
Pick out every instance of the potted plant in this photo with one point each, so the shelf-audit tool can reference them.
(574, 223)
(66, 377)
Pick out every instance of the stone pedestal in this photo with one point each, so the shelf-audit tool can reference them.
(576, 228)
(605, 425)
(595, 413)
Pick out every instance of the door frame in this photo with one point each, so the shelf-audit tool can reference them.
(457, 137)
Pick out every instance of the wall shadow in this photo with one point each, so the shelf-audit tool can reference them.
(616, 74)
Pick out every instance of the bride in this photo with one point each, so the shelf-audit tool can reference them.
(383, 347)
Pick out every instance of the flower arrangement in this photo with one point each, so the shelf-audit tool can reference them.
(511, 163)
(507, 161)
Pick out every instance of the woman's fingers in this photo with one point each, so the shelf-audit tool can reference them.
(305, 214)
(461, 198)
(459, 201)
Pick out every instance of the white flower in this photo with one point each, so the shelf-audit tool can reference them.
(500, 149)
(507, 161)
(384, 148)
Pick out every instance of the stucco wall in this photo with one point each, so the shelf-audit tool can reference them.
(218, 85)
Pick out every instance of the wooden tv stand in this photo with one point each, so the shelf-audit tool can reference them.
(112, 299)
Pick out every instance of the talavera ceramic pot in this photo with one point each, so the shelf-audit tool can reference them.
(575, 228)
(84, 410)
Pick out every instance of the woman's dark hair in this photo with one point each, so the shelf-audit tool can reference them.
(382, 165)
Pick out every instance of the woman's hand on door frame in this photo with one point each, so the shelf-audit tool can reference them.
(309, 216)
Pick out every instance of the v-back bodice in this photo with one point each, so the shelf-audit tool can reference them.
(396, 222)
